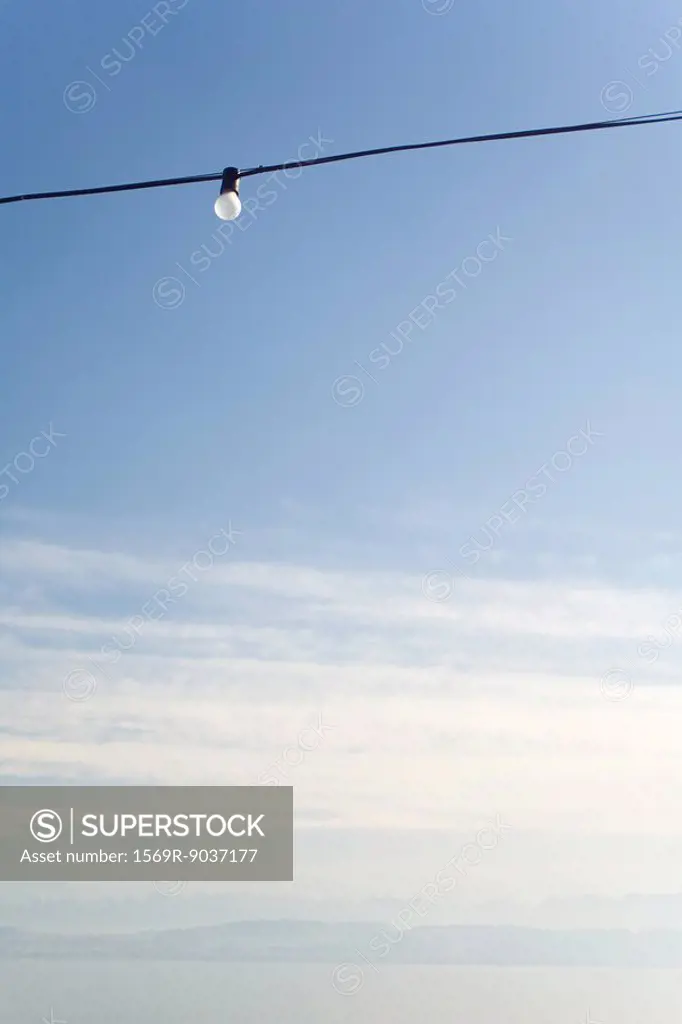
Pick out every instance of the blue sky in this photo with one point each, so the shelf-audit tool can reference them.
(225, 401)
(223, 411)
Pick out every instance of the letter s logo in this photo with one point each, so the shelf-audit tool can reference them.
(46, 826)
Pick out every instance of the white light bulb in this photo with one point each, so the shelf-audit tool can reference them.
(228, 206)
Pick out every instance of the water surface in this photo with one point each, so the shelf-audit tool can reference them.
(177, 993)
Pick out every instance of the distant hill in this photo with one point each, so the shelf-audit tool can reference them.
(290, 941)
(195, 908)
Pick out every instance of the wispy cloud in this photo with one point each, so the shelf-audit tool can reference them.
(441, 713)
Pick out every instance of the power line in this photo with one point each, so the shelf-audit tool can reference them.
(675, 115)
(161, 183)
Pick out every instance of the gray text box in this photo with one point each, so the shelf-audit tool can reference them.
(146, 833)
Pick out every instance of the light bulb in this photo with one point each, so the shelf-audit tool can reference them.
(228, 206)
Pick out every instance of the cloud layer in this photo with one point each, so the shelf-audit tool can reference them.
(414, 712)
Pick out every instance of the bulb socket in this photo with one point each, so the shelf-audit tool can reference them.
(230, 182)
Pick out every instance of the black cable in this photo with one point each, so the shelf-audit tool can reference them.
(592, 126)
(114, 188)
(625, 122)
